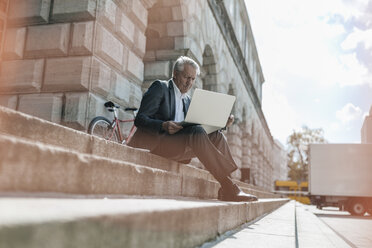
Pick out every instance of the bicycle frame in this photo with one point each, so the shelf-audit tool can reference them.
(131, 132)
(116, 128)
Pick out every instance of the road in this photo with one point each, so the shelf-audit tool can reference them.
(356, 231)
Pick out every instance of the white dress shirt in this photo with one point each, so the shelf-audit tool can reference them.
(179, 116)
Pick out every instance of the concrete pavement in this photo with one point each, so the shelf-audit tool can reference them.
(291, 225)
(355, 230)
(276, 229)
(312, 232)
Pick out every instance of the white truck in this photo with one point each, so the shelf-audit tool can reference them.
(341, 175)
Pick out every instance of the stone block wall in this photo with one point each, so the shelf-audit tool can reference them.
(63, 59)
(3, 21)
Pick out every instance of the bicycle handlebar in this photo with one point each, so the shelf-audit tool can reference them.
(130, 109)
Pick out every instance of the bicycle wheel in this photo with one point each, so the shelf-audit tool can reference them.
(101, 127)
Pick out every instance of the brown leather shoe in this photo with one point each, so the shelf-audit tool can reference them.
(235, 194)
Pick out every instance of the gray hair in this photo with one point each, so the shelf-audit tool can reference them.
(180, 64)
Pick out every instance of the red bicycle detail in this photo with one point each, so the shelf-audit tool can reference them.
(110, 130)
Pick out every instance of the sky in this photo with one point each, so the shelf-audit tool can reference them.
(316, 58)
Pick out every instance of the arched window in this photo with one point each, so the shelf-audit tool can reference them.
(209, 70)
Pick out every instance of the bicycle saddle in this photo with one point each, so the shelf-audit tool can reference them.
(110, 104)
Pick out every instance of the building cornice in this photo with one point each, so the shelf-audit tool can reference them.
(250, 33)
(222, 18)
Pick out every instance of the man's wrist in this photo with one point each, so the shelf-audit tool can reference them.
(163, 126)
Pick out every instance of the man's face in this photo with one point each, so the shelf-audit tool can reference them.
(185, 79)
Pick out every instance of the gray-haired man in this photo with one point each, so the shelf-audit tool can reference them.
(163, 106)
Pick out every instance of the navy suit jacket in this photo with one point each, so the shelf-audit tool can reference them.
(157, 106)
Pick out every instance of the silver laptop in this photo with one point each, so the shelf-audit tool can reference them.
(210, 109)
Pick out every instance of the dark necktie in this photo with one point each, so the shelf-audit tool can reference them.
(184, 107)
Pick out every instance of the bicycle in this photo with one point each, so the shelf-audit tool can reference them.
(110, 130)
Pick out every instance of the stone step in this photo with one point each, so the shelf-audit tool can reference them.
(35, 129)
(110, 223)
(36, 167)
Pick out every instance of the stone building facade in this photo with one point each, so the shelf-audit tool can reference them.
(62, 59)
(280, 162)
(366, 131)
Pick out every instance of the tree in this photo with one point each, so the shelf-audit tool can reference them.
(298, 151)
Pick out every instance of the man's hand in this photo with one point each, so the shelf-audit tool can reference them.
(171, 127)
(230, 121)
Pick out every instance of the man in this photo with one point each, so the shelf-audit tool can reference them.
(163, 106)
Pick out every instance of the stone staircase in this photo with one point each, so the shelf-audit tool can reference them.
(67, 188)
